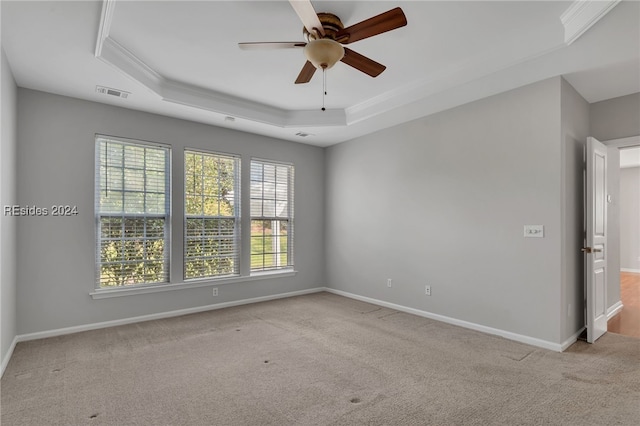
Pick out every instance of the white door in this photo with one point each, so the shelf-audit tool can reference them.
(596, 249)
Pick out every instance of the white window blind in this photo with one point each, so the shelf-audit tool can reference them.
(132, 212)
(271, 215)
(212, 215)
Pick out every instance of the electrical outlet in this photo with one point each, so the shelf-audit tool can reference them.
(427, 290)
(389, 282)
(215, 291)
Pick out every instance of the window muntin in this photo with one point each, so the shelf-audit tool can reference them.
(212, 215)
(132, 212)
(271, 215)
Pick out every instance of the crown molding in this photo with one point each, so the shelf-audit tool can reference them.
(473, 69)
(210, 100)
(582, 15)
(116, 55)
(106, 17)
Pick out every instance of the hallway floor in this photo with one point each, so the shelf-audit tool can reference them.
(627, 322)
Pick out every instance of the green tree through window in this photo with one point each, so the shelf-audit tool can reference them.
(132, 208)
(271, 215)
(212, 186)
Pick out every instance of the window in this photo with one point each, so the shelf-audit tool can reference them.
(132, 212)
(212, 215)
(271, 215)
(134, 220)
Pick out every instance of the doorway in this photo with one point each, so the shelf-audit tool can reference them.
(624, 292)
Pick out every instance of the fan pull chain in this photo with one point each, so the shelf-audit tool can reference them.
(324, 87)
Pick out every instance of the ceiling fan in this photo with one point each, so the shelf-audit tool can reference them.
(325, 36)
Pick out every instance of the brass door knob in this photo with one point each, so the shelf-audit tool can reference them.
(590, 250)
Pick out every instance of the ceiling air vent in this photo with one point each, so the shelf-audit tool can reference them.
(112, 92)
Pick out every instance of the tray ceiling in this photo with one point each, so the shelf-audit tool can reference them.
(181, 59)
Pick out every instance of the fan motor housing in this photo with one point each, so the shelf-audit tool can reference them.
(331, 24)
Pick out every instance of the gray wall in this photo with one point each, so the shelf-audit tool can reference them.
(575, 130)
(630, 218)
(8, 226)
(442, 200)
(615, 118)
(56, 256)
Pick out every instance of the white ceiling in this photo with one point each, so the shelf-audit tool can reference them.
(181, 58)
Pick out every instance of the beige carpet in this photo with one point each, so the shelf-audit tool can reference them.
(319, 359)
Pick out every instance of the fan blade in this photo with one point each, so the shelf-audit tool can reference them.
(271, 45)
(307, 15)
(307, 72)
(362, 63)
(379, 24)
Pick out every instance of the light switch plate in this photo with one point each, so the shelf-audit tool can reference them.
(534, 231)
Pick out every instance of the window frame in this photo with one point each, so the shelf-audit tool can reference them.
(289, 218)
(174, 235)
(237, 217)
(99, 214)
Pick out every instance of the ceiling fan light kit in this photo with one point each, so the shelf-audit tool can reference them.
(323, 53)
(325, 36)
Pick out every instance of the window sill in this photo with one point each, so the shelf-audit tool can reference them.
(105, 293)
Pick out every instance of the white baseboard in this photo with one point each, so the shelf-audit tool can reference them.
(161, 315)
(633, 271)
(571, 340)
(94, 326)
(7, 357)
(614, 310)
(557, 347)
